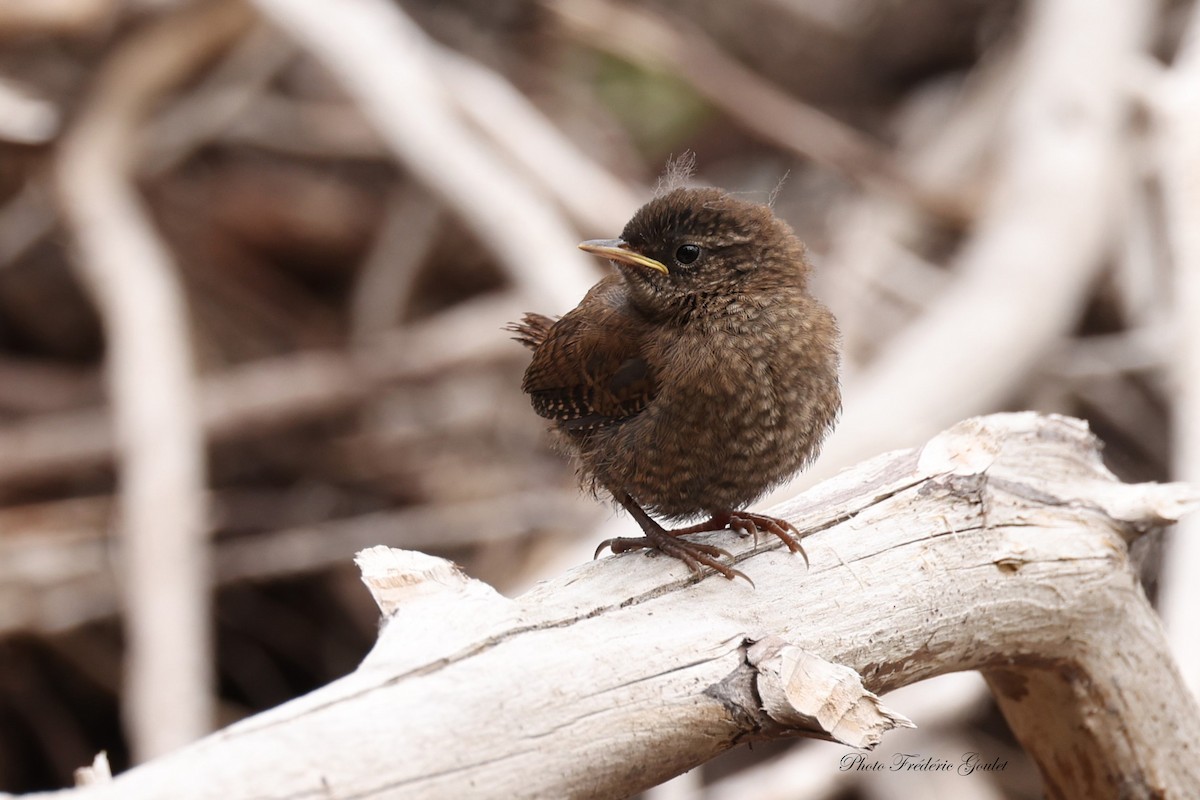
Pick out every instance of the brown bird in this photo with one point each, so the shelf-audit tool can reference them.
(697, 377)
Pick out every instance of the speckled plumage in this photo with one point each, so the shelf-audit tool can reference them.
(698, 390)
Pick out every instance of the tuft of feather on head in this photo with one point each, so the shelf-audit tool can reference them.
(678, 174)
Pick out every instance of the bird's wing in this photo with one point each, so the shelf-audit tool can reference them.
(589, 371)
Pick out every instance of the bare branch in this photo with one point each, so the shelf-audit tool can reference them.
(274, 393)
(133, 282)
(388, 65)
(596, 200)
(1038, 244)
(645, 37)
(57, 572)
(629, 670)
(23, 17)
(389, 272)
(25, 118)
(1178, 104)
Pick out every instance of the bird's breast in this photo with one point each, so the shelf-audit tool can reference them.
(742, 402)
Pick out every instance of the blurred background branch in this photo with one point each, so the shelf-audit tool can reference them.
(134, 284)
(1176, 97)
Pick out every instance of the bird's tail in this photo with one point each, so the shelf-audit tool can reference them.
(531, 330)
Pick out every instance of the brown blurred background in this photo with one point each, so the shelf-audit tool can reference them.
(263, 253)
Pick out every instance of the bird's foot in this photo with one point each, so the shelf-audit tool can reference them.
(693, 554)
(745, 523)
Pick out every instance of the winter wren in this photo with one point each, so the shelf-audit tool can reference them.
(697, 377)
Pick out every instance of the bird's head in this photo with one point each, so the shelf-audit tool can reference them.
(693, 248)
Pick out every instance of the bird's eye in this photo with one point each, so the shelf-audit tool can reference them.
(687, 254)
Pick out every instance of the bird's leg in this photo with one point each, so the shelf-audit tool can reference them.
(745, 523)
(658, 538)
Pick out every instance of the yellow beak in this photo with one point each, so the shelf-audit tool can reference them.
(618, 250)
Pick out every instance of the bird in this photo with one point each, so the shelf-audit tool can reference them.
(696, 377)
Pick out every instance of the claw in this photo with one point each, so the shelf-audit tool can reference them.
(744, 523)
(693, 554)
(743, 527)
(781, 528)
(696, 555)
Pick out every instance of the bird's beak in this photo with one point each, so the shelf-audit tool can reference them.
(618, 250)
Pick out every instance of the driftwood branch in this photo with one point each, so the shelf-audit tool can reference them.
(1000, 546)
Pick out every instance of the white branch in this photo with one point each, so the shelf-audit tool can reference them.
(1177, 102)
(388, 65)
(50, 17)
(1038, 244)
(1000, 546)
(57, 572)
(274, 393)
(24, 117)
(595, 199)
(132, 279)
